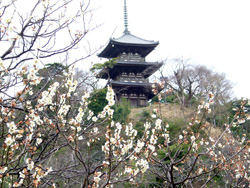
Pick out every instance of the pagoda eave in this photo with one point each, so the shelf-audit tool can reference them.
(145, 67)
(114, 50)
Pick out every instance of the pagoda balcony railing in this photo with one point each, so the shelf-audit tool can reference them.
(132, 79)
(132, 57)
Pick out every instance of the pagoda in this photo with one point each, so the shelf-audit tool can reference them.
(129, 75)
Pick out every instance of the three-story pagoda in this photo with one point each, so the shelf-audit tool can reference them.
(129, 76)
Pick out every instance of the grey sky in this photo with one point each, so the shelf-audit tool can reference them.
(215, 33)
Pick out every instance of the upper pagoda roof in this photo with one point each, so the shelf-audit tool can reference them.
(128, 43)
(128, 38)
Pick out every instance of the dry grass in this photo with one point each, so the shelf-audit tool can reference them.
(168, 111)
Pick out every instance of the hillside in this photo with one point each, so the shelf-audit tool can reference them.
(172, 112)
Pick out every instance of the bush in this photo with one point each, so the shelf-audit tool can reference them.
(98, 100)
(121, 111)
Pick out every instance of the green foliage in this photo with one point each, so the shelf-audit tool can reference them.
(139, 126)
(105, 65)
(121, 111)
(50, 70)
(155, 99)
(145, 115)
(98, 100)
(196, 128)
(175, 127)
(183, 149)
(169, 99)
(218, 179)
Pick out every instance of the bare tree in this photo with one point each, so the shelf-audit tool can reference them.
(35, 33)
(196, 81)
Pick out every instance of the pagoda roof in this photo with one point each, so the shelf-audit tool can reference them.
(128, 38)
(130, 44)
(146, 68)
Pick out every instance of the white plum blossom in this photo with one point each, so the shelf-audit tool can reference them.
(153, 139)
(9, 141)
(95, 130)
(158, 124)
(94, 118)
(90, 115)
(79, 115)
(30, 164)
(12, 128)
(97, 178)
(47, 96)
(151, 147)
(200, 170)
(110, 96)
(126, 147)
(22, 175)
(118, 126)
(78, 129)
(153, 116)
(167, 137)
(63, 110)
(3, 170)
(139, 146)
(143, 164)
(38, 141)
(128, 170)
(32, 76)
(85, 98)
(193, 138)
(147, 125)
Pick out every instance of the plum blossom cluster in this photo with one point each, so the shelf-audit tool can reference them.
(157, 87)
(38, 173)
(47, 96)
(33, 78)
(206, 105)
(70, 82)
(96, 179)
(37, 120)
(111, 101)
(128, 148)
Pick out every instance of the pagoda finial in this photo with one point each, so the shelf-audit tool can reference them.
(125, 18)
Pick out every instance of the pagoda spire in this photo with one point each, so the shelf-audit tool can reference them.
(126, 31)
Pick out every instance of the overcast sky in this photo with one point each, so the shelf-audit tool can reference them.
(215, 33)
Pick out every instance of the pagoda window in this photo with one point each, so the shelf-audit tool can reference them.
(131, 74)
(142, 95)
(124, 74)
(133, 102)
(124, 95)
(142, 102)
(133, 95)
(138, 75)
